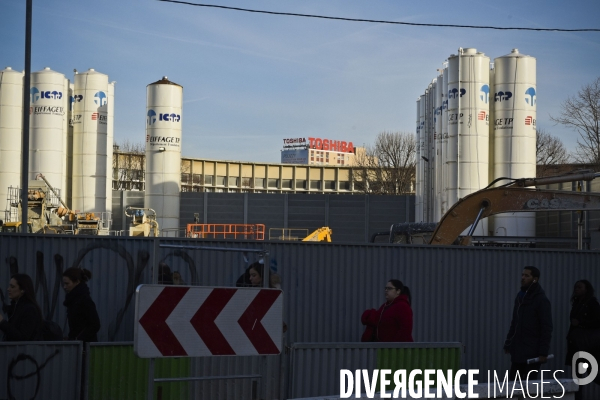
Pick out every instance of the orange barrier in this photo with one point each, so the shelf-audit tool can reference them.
(226, 231)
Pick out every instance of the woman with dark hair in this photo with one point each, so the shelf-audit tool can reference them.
(393, 321)
(82, 316)
(584, 331)
(253, 277)
(25, 321)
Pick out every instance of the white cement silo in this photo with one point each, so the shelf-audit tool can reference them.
(11, 129)
(47, 127)
(468, 99)
(444, 182)
(421, 162)
(431, 149)
(515, 113)
(163, 152)
(90, 121)
(438, 147)
(418, 194)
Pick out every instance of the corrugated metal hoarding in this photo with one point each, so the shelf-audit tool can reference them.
(40, 370)
(459, 294)
(315, 367)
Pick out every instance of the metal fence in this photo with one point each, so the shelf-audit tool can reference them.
(315, 367)
(40, 370)
(459, 294)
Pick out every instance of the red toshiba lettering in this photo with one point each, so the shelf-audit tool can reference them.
(333, 145)
(319, 144)
(344, 147)
(325, 144)
(312, 142)
(350, 147)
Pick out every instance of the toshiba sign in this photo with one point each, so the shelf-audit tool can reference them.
(320, 144)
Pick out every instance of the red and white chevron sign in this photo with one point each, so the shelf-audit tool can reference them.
(180, 321)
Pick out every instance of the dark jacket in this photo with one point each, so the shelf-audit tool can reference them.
(585, 336)
(390, 323)
(84, 322)
(531, 326)
(22, 322)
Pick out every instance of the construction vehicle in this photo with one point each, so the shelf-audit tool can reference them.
(516, 196)
(143, 221)
(320, 235)
(48, 213)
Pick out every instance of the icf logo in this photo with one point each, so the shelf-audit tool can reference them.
(170, 117)
(100, 99)
(453, 93)
(151, 117)
(530, 97)
(485, 93)
(51, 94)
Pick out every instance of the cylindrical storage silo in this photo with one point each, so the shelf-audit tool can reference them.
(469, 96)
(48, 123)
(444, 179)
(515, 99)
(163, 152)
(423, 153)
(438, 148)
(431, 147)
(11, 131)
(454, 114)
(90, 121)
(109, 146)
(418, 194)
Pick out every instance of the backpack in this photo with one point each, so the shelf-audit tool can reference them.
(52, 331)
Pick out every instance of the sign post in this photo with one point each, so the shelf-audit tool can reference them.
(193, 321)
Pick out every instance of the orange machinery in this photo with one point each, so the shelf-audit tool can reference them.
(226, 231)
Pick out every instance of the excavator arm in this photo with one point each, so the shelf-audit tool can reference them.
(486, 202)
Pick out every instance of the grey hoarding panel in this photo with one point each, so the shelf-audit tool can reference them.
(40, 370)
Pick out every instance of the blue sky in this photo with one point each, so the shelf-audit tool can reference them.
(251, 80)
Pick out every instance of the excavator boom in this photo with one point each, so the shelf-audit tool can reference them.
(492, 201)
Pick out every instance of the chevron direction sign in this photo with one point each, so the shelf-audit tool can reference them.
(185, 321)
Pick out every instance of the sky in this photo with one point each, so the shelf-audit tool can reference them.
(251, 80)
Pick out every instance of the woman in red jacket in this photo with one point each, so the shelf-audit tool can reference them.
(394, 320)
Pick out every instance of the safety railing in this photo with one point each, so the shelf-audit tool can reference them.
(226, 231)
(287, 233)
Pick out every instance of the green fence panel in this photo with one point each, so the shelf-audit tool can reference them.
(116, 373)
(409, 359)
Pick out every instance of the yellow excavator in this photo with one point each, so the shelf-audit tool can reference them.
(320, 235)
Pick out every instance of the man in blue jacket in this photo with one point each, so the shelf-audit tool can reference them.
(531, 327)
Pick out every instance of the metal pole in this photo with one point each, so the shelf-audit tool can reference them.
(150, 394)
(26, 105)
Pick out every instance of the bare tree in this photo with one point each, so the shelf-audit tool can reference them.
(387, 167)
(582, 112)
(129, 165)
(549, 150)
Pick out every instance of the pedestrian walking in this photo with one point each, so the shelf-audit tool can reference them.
(82, 316)
(393, 321)
(24, 321)
(530, 328)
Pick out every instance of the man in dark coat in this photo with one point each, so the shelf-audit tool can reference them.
(531, 327)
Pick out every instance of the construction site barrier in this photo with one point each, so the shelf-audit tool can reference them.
(115, 372)
(315, 367)
(40, 370)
